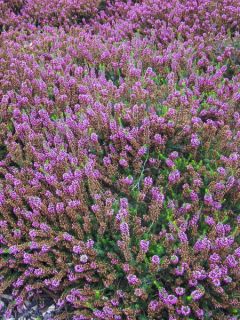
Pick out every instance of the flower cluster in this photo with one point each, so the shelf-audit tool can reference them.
(120, 159)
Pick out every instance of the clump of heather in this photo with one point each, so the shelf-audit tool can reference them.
(29, 13)
(119, 159)
(60, 12)
(9, 13)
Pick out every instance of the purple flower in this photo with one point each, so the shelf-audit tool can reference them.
(210, 221)
(202, 244)
(173, 155)
(138, 292)
(70, 298)
(83, 258)
(77, 249)
(13, 250)
(180, 291)
(237, 252)
(200, 313)
(144, 245)
(55, 283)
(44, 227)
(27, 258)
(132, 279)
(221, 171)
(159, 139)
(174, 177)
(219, 186)
(157, 195)
(199, 274)
(67, 237)
(3, 224)
(179, 271)
(124, 203)
(123, 213)
(227, 279)
(224, 242)
(193, 282)
(123, 163)
(51, 208)
(197, 294)
(174, 259)
(29, 288)
(153, 305)
(231, 261)
(215, 273)
(171, 299)
(94, 137)
(142, 151)
(214, 258)
(95, 208)
(74, 204)
(148, 181)
(19, 301)
(99, 314)
(208, 199)
(124, 229)
(114, 302)
(195, 142)
(128, 180)
(60, 207)
(45, 248)
(78, 268)
(90, 243)
(106, 161)
(35, 202)
(108, 311)
(169, 163)
(197, 182)
(185, 310)
(38, 272)
(182, 236)
(194, 196)
(155, 259)
(18, 283)
(72, 276)
(216, 282)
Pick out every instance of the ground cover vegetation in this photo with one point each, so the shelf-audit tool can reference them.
(120, 158)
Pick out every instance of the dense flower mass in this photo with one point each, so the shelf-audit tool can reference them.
(120, 158)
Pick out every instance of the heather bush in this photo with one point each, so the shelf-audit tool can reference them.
(9, 13)
(59, 12)
(119, 158)
(17, 13)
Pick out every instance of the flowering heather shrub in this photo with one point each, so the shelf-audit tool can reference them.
(59, 12)
(41, 12)
(9, 13)
(119, 159)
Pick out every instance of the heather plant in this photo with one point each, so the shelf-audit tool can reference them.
(57, 13)
(9, 13)
(119, 159)
(28, 13)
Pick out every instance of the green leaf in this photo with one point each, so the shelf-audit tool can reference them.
(234, 311)
(54, 117)
(189, 298)
(157, 284)
(97, 294)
